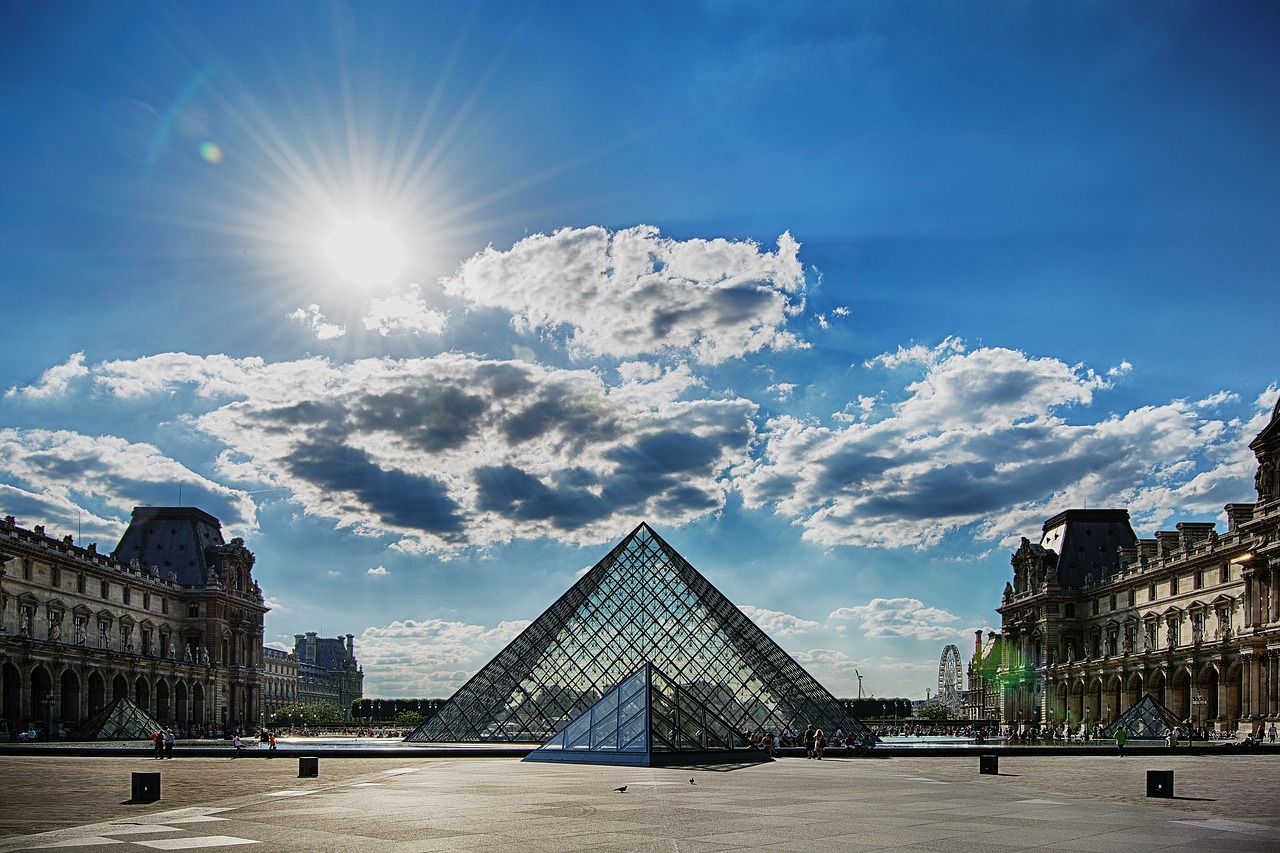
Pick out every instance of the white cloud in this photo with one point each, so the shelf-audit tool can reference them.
(428, 658)
(980, 439)
(777, 624)
(317, 323)
(455, 450)
(65, 474)
(901, 617)
(55, 381)
(379, 571)
(404, 313)
(633, 292)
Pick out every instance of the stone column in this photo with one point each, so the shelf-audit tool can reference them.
(1248, 667)
(1273, 685)
(1246, 601)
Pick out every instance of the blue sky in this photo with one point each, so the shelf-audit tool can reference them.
(432, 303)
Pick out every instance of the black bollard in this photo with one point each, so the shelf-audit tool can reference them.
(989, 765)
(1160, 783)
(146, 788)
(308, 766)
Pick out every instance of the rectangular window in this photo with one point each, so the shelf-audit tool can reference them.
(104, 641)
(164, 604)
(1198, 580)
(1070, 612)
(127, 593)
(26, 570)
(80, 584)
(1133, 597)
(1151, 593)
(1113, 602)
(1095, 607)
(146, 601)
(55, 576)
(1173, 585)
(104, 590)
(193, 610)
(1224, 576)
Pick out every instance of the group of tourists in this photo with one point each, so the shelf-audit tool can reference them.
(815, 742)
(163, 740)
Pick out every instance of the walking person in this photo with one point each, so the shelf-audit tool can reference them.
(238, 744)
(1121, 736)
(169, 738)
(157, 740)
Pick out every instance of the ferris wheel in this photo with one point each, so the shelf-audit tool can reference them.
(949, 686)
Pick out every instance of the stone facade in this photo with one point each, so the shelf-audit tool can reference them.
(279, 681)
(173, 619)
(1095, 617)
(328, 671)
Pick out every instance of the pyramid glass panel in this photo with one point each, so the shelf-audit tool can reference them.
(121, 720)
(1147, 719)
(642, 603)
(657, 724)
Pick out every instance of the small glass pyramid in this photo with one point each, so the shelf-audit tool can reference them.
(1146, 720)
(121, 720)
(647, 720)
(642, 603)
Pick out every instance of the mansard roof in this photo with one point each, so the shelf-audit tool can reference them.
(176, 540)
(1271, 432)
(1088, 543)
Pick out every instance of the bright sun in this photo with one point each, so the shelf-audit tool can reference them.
(365, 251)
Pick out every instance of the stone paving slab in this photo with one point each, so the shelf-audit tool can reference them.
(1085, 803)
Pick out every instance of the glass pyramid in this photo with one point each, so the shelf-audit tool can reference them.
(647, 720)
(1146, 720)
(121, 720)
(642, 603)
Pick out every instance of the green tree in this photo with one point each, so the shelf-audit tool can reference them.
(311, 715)
(935, 711)
(408, 720)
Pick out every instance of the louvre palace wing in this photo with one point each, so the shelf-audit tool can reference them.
(643, 603)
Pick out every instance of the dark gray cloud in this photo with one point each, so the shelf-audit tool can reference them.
(402, 499)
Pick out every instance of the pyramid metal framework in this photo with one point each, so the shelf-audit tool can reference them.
(648, 720)
(1146, 720)
(642, 603)
(121, 720)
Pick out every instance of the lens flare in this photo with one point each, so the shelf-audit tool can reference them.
(211, 152)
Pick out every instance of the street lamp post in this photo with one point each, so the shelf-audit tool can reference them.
(1198, 702)
(47, 701)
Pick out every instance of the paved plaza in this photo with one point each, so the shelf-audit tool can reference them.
(1083, 803)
